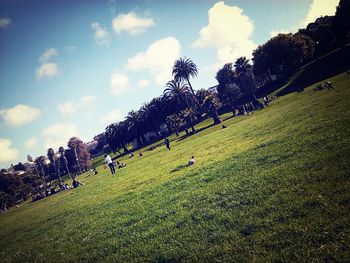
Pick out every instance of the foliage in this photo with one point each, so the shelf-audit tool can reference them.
(225, 76)
(341, 25)
(183, 69)
(322, 33)
(282, 55)
(210, 104)
(179, 93)
(19, 167)
(174, 122)
(232, 95)
(82, 154)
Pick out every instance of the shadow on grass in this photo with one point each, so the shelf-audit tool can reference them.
(180, 167)
(197, 131)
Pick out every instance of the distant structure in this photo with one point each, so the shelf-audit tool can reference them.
(213, 89)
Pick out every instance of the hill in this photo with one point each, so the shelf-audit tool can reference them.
(273, 186)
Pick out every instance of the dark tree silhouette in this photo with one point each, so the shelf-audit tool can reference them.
(183, 69)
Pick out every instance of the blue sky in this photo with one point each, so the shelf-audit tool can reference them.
(69, 68)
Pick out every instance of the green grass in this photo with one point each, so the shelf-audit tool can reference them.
(271, 187)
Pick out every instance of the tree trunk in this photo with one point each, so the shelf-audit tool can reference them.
(194, 95)
(144, 140)
(215, 116)
(124, 148)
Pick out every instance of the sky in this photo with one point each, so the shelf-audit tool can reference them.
(70, 68)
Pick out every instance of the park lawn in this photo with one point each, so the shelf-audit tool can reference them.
(271, 187)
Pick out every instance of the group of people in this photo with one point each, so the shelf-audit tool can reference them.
(51, 190)
(108, 160)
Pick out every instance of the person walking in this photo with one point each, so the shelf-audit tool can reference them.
(167, 143)
(108, 160)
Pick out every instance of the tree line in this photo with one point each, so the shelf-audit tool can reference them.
(180, 107)
(22, 181)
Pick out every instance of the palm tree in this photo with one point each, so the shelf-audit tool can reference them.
(183, 69)
(179, 92)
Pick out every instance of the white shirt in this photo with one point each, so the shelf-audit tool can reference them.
(108, 159)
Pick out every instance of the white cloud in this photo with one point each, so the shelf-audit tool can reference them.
(5, 22)
(47, 70)
(7, 153)
(71, 107)
(227, 26)
(119, 83)
(19, 115)
(112, 116)
(230, 54)
(229, 31)
(320, 8)
(101, 35)
(274, 33)
(31, 143)
(59, 134)
(48, 55)
(142, 83)
(158, 59)
(131, 23)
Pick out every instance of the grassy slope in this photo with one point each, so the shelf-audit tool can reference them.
(273, 186)
(327, 66)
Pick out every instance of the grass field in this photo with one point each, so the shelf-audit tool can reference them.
(271, 187)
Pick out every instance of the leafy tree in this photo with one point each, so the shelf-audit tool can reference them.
(135, 126)
(341, 25)
(40, 163)
(322, 33)
(174, 122)
(225, 76)
(242, 65)
(201, 94)
(189, 116)
(81, 153)
(282, 55)
(52, 166)
(245, 78)
(63, 161)
(232, 95)
(19, 167)
(150, 114)
(116, 136)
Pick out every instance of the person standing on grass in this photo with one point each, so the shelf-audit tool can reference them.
(167, 143)
(110, 163)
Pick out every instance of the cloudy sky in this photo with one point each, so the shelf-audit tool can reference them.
(69, 68)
